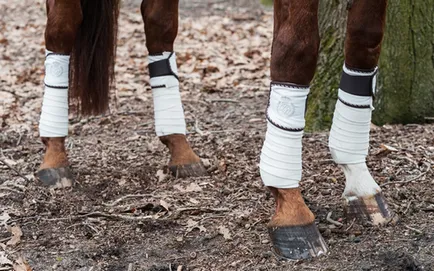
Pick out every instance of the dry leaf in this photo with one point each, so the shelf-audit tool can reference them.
(161, 175)
(21, 265)
(16, 235)
(4, 260)
(191, 225)
(225, 232)
(193, 187)
(4, 218)
(164, 204)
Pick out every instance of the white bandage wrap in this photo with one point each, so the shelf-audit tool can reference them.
(281, 155)
(349, 135)
(168, 110)
(54, 114)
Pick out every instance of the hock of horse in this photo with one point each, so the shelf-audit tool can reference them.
(81, 41)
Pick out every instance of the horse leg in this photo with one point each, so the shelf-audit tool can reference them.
(161, 28)
(64, 19)
(293, 62)
(349, 136)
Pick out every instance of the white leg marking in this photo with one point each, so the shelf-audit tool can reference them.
(359, 181)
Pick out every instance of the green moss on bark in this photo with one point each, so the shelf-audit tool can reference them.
(406, 81)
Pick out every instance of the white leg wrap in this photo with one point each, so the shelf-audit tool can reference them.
(349, 135)
(54, 115)
(168, 110)
(281, 161)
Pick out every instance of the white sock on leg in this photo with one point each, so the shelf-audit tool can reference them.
(281, 161)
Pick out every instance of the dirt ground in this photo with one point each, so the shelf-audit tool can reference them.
(124, 213)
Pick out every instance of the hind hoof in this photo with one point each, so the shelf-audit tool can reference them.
(297, 242)
(56, 178)
(372, 210)
(190, 170)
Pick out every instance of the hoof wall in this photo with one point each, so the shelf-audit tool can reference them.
(191, 170)
(373, 210)
(56, 178)
(297, 242)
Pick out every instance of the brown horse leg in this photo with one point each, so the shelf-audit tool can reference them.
(64, 18)
(294, 57)
(365, 29)
(161, 28)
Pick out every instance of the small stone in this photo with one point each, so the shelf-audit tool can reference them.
(247, 226)
(265, 241)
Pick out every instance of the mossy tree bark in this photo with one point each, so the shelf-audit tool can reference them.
(406, 79)
(324, 89)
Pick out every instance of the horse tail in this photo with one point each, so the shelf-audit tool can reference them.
(93, 56)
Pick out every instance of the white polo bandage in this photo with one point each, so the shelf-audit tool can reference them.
(54, 114)
(349, 135)
(168, 110)
(281, 155)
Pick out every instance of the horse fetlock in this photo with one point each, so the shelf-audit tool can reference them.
(181, 154)
(291, 210)
(55, 153)
(54, 171)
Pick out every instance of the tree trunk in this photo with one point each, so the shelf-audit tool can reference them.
(406, 82)
(406, 79)
(324, 90)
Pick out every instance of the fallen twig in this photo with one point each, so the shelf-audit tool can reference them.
(114, 203)
(409, 180)
(334, 222)
(352, 223)
(101, 214)
(413, 229)
(2, 187)
(223, 101)
(15, 170)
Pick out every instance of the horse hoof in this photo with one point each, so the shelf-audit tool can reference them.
(56, 178)
(297, 242)
(190, 170)
(373, 210)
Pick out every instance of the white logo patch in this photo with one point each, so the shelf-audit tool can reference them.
(55, 69)
(285, 107)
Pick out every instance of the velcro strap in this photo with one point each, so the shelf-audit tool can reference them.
(161, 68)
(358, 85)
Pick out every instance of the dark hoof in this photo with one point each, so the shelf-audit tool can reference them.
(297, 242)
(191, 170)
(373, 210)
(55, 177)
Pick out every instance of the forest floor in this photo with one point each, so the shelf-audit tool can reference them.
(125, 213)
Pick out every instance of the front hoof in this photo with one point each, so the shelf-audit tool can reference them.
(56, 178)
(190, 170)
(297, 242)
(372, 210)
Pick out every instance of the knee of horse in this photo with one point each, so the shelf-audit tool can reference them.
(161, 24)
(363, 45)
(294, 57)
(63, 24)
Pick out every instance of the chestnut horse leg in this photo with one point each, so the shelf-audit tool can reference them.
(349, 137)
(64, 19)
(161, 27)
(293, 62)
